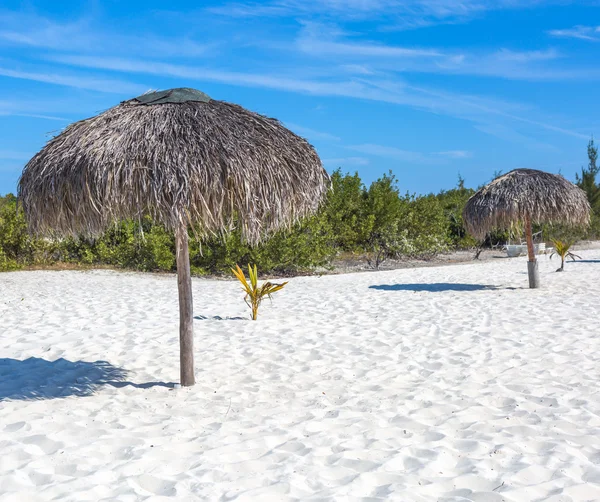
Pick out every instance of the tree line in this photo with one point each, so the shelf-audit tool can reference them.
(373, 223)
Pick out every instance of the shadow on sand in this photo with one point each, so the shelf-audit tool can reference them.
(583, 261)
(37, 378)
(218, 318)
(435, 287)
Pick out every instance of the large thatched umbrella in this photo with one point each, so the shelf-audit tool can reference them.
(182, 158)
(526, 195)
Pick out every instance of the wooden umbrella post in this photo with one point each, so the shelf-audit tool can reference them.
(532, 264)
(186, 308)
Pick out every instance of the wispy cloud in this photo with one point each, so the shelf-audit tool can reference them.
(346, 161)
(313, 42)
(205, 74)
(391, 152)
(324, 60)
(311, 133)
(466, 107)
(515, 65)
(77, 81)
(31, 30)
(14, 155)
(253, 9)
(526, 56)
(326, 43)
(485, 108)
(455, 154)
(23, 105)
(508, 134)
(32, 115)
(398, 14)
(591, 33)
(276, 8)
(356, 69)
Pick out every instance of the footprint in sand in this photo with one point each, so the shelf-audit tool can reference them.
(156, 486)
(16, 426)
(45, 444)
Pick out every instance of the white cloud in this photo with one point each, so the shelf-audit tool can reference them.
(14, 155)
(277, 8)
(359, 8)
(347, 88)
(455, 154)
(311, 133)
(32, 115)
(467, 107)
(23, 105)
(390, 152)
(526, 56)
(324, 60)
(328, 47)
(77, 81)
(394, 14)
(346, 161)
(30, 30)
(507, 134)
(326, 43)
(356, 69)
(591, 33)
(409, 156)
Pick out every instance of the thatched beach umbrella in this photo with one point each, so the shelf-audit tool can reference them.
(182, 158)
(526, 195)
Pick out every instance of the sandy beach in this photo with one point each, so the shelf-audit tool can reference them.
(432, 384)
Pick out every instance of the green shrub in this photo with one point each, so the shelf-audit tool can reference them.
(345, 212)
(306, 245)
(15, 242)
(6, 263)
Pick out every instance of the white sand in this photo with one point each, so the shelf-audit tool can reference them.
(348, 387)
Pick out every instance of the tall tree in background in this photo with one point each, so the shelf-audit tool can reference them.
(587, 180)
(345, 211)
(383, 205)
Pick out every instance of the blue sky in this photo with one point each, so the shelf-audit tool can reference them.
(426, 88)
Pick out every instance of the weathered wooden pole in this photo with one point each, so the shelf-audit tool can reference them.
(186, 308)
(532, 264)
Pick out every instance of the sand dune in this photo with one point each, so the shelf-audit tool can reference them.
(450, 383)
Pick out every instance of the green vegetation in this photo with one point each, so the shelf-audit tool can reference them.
(372, 223)
(587, 181)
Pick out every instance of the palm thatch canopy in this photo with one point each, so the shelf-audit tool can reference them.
(180, 157)
(525, 194)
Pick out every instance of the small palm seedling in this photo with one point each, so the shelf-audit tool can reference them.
(562, 249)
(254, 293)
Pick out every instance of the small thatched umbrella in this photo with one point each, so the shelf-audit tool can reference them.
(526, 195)
(182, 158)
